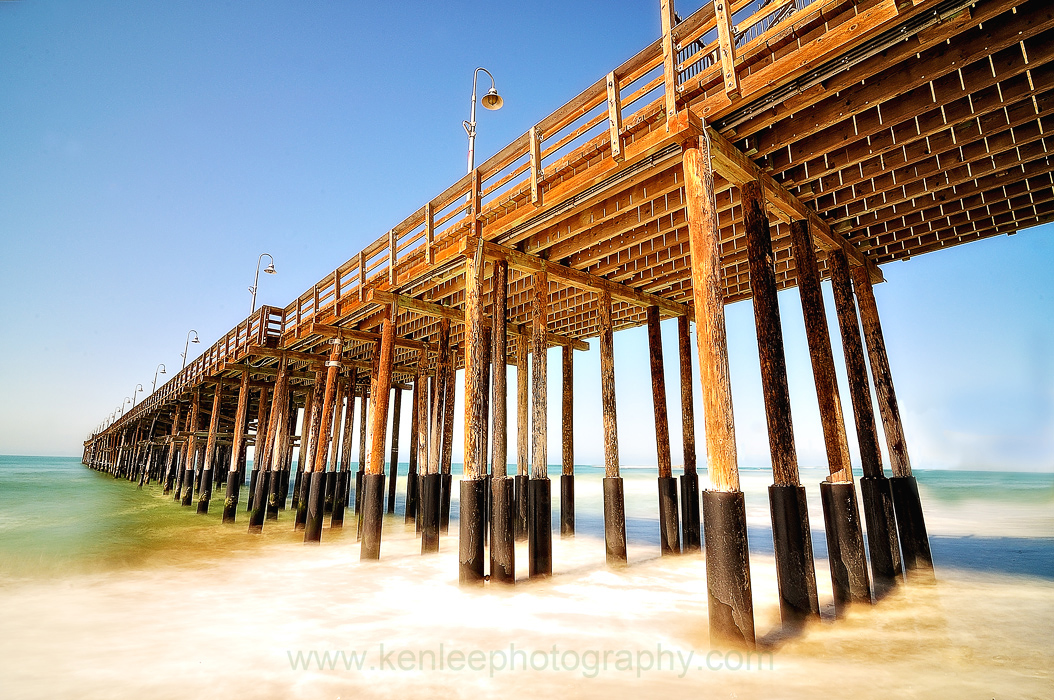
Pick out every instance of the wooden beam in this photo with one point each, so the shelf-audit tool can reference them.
(427, 308)
(576, 278)
(737, 168)
(329, 331)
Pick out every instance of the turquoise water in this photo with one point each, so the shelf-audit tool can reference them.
(58, 517)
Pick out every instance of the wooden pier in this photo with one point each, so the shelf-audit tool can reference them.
(757, 145)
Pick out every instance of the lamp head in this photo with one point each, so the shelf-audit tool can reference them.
(270, 269)
(492, 100)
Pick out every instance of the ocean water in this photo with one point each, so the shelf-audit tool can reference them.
(107, 591)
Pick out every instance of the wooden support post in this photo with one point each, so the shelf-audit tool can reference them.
(342, 483)
(911, 523)
(614, 495)
(522, 432)
(690, 523)
(316, 489)
(332, 467)
(539, 499)
(845, 541)
(430, 229)
(393, 459)
(792, 541)
(278, 479)
(373, 482)
(874, 487)
(258, 444)
(669, 532)
(615, 118)
(205, 493)
(414, 462)
(724, 512)
(431, 482)
(191, 450)
(446, 478)
(170, 464)
(472, 520)
(263, 449)
(312, 444)
(502, 531)
(567, 435)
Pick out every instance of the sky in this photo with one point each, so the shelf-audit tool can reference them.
(149, 152)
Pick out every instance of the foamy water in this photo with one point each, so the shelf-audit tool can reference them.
(196, 609)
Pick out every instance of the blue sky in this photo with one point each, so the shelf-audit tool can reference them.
(150, 151)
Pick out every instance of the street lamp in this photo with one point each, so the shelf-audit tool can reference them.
(126, 401)
(138, 388)
(256, 281)
(186, 347)
(492, 100)
(160, 370)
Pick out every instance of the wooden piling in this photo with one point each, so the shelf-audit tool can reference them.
(614, 506)
(669, 534)
(690, 522)
(539, 499)
(316, 489)
(502, 530)
(410, 508)
(845, 541)
(205, 494)
(235, 474)
(911, 524)
(791, 535)
(342, 485)
(874, 487)
(522, 435)
(258, 441)
(279, 402)
(373, 482)
(191, 450)
(567, 439)
(393, 460)
(724, 512)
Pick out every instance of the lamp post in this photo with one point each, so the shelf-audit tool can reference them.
(186, 347)
(160, 370)
(138, 388)
(490, 101)
(126, 401)
(256, 281)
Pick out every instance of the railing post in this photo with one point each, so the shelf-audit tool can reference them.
(615, 118)
(727, 47)
(669, 59)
